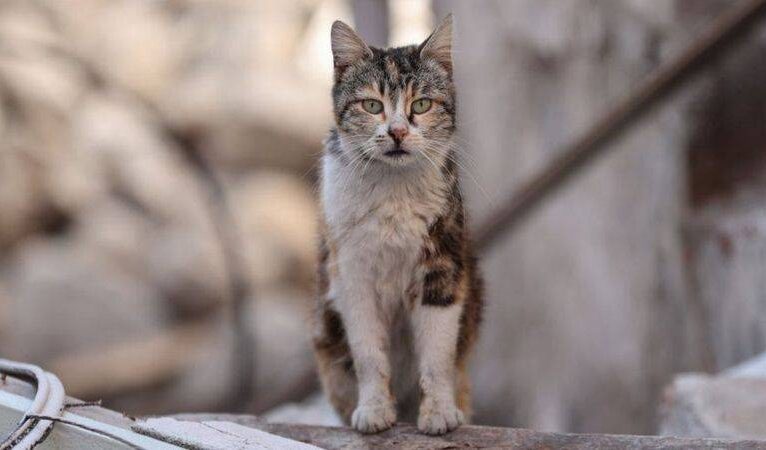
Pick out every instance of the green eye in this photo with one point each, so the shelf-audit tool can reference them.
(372, 106)
(421, 105)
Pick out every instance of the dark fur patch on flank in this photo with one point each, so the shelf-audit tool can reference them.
(473, 310)
(331, 341)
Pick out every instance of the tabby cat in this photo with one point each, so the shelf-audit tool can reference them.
(399, 299)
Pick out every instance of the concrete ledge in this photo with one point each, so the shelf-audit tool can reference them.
(407, 437)
(698, 405)
(729, 405)
(402, 436)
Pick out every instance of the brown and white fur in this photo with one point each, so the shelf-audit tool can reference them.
(399, 299)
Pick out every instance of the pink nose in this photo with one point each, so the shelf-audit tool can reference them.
(398, 132)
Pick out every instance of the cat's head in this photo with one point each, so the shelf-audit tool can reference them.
(396, 105)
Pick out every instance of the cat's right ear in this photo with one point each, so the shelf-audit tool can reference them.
(438, 46)
(347, 47)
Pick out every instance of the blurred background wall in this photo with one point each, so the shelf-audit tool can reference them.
(112, 273)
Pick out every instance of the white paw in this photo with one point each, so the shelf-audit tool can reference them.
(438, 418)
(373, 417)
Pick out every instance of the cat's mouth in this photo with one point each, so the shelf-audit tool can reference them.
(396, 153)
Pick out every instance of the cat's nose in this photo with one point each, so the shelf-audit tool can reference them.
(398, 132)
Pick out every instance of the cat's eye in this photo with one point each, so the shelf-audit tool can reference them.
(421, 105)
(372, 106)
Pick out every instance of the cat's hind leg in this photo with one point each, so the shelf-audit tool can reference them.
(463, 391)
(469, 330)
(335, 363)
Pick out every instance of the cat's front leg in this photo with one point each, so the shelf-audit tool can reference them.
(369, 342)
(436, 324)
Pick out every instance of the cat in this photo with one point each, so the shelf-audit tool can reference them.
(399, 295)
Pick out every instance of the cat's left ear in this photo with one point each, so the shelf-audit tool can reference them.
(438, 46)
(347, 47)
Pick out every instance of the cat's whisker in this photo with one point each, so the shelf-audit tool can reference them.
(369, 161)
(433, 163)
(351, 173)
(463, 151)
(362, 154)
(465, 170)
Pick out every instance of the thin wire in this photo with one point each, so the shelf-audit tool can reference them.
(87, 428)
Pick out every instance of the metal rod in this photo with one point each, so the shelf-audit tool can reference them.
(658, 86)
(49, 400)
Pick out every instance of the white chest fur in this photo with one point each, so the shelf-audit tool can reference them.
(379, 221)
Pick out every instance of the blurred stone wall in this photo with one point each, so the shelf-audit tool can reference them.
(108, 255)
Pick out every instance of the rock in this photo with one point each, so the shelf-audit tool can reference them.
(202, 385)
(182, 261)
(315, 410)
(186, 265)
(22, 25)
(697, 405)
(180, 249)
(277, 219)
(20, 197)
(284, 360)
(5, 303)
(42, 86)
(66, 299)
(137, 364)
(731, 404)
(752, 368)
(135, 43)
(116, 232)
(42, 177)
(284, 363)
(139, 166)
(727, 260)
(41, 83)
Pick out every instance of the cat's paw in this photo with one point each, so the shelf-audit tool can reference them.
(373, 417)
(438, 418)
